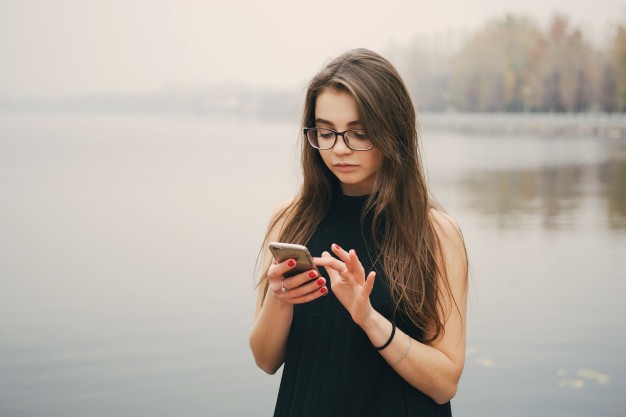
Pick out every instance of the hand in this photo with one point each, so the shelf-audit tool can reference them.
(348, 282)
(300, 288)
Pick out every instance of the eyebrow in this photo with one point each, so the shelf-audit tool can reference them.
(352, 123)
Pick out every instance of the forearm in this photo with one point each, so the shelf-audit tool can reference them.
(268, 338)
(424, 367)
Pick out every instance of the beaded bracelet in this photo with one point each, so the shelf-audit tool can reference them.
(393, 332)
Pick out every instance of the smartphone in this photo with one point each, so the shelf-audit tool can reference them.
(299, 253)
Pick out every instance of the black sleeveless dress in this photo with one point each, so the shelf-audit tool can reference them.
(330, 366)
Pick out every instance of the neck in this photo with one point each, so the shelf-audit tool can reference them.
(354, 191)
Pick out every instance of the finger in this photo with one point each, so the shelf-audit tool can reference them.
(299, 279)
(272, 274)
(334, 276)
(369, 282)
(327, 254)
(329, 261)
(342, 254)
(349, 264)
(355, 265)
(309, 297)
(278, 270)
(305, 289)
(275, 275)
(352, 266)
(333, 266)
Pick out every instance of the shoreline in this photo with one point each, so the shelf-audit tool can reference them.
(602, 125)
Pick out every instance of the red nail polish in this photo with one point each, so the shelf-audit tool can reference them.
(312, 274)
(320, 281)
(323, 290)
(291, 263)
(337, 246)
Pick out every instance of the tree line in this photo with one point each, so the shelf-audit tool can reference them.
(511, 65)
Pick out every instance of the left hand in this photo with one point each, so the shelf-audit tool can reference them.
(348, 282)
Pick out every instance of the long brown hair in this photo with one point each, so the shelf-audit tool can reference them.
(409, 252)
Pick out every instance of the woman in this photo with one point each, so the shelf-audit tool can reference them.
(382, 332)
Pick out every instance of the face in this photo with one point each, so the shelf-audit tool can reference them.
(356, 170)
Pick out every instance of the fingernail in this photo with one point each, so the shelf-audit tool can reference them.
(320, 281)
(323, 290)
(312, 274)
(337, 246)
(291, 263)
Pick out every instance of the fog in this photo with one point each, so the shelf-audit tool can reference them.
(71, 47)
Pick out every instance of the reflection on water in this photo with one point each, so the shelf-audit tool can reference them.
(553, 193)
(613, 178)
(580, 378)
(127, 246)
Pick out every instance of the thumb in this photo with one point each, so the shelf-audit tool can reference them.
(369, 282)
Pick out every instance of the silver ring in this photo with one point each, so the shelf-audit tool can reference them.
(282, 284)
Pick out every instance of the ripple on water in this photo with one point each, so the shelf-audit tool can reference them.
(582, 374)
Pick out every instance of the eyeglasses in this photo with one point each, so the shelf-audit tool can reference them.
(355, 139)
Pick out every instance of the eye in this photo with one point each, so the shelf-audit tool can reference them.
(325, 134)
(359, 135)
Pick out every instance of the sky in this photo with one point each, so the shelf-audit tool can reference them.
(58, 48)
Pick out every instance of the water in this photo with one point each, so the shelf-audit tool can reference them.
(127, 248)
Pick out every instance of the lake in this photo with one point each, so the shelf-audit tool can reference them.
(128, 245)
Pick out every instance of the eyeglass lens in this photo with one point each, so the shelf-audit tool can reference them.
(325, 139)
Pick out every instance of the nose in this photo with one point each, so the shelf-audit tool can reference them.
(341, 147)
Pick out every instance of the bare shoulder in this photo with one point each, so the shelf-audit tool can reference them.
(281, 214)
(445, 225)
(279, 217)
(451, 239)
(283, 205)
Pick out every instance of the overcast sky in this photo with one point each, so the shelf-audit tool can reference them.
(51, 48)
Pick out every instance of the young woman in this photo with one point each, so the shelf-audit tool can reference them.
(382, 331)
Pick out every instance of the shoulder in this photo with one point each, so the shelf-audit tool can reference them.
(283, 205)
(443, 223)
(281, 214)
(283, 210)
(450, 239)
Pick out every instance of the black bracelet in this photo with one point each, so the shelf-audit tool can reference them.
(393, 333)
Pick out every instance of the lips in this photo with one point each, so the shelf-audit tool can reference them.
(345, 167)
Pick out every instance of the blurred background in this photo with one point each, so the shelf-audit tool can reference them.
(144, 145)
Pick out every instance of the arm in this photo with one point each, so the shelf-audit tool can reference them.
(434, 368)
(274, 308)
(268, 337)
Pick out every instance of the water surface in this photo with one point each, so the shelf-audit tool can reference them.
(127, 248)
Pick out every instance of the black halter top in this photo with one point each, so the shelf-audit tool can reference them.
(330, 366)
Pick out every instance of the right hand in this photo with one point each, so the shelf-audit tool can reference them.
(301, 288)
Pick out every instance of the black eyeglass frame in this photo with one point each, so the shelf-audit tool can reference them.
(307, 129)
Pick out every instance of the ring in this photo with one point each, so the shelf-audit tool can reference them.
(282, 284)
